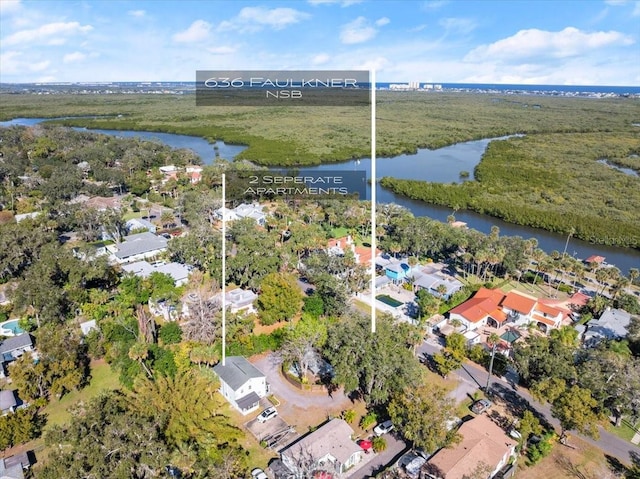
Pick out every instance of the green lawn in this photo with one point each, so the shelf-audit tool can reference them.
(362, 306)
(102, 379)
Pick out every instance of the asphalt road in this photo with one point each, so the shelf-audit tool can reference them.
(472, 377)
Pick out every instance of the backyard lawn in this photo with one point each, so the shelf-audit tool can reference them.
(102, 379)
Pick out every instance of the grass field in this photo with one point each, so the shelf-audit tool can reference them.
(102, 379)
(584, 462)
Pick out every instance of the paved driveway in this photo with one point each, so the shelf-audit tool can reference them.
(300, 408)
(395, 449)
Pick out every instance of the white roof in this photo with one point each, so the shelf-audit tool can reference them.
(177, 271)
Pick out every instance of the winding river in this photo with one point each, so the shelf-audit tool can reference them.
(442, 165)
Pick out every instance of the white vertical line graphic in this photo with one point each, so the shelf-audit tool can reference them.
(224, 268)
(373, 201)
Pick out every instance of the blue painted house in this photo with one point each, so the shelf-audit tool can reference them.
(397, 272)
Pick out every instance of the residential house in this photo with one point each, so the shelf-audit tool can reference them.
(362, 254)
(547, 316)
(14, 347)
(518, 307)
(612, 325)
(137, 247)
(253, 211)
(435, 282)
(100, 203)
(483, 444)
(482, 309)
(194, 173)
(397, 270)
(139, 225)
(8, 401)
(169, 172)
(12, 467)
(240, 300)
(328, 448)
(241, 383)
(10, 471)
(177, 271)
(493, 308)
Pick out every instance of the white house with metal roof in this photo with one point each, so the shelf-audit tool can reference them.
(137, 247)
(178, 272)
(612, 324)
(140, 224)
(241, 383)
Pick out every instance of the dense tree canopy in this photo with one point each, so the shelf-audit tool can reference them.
(374, 365)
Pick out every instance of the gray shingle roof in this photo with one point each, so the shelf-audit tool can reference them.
(7, 399)
(15, 342)
(139, 244)
(236, 371)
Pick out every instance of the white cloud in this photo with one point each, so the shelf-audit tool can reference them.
(418, 28)
(197, 31)
(616, 3)
(137, 13)
(9, 7)
(46, 79)
(38, 67)
(360, 30)
(320, 59)
(74, 57)
(45, 32)
(458, 25)
(435, 4)
(534, 42)
(377, 64)
(254, 19)
(636, 10)
(222, 50)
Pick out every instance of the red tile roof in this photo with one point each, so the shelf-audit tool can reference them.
(542, 319)
(546, 309)
(484, 303)
(594, 259)
(519, 302)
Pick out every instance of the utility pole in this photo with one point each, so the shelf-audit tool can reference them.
(494, 342)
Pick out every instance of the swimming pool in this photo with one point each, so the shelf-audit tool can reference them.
(386, 299)
(10, 328)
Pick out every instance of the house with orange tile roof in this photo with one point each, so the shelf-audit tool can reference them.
(518, 307)
(479, 310)
(493, 308)
(484, 444)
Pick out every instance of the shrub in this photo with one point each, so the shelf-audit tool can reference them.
(368, 420)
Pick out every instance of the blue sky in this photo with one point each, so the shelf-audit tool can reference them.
(542, 42)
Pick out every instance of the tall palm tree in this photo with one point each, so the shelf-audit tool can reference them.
(139, 351)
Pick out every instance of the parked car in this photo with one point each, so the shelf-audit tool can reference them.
(383, 428)
(258, 473)
(481, 406)
(267, 414)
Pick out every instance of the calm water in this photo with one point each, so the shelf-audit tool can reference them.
(442, 165)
